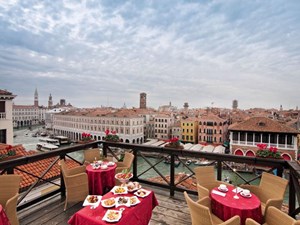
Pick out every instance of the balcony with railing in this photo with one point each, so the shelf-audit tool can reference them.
(47, 207)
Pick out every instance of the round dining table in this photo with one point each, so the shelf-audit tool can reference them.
(100, 180)
(226, 206)
(3, 218)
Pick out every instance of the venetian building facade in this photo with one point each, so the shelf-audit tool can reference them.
(128, 125)
(163, 124)
(245, 136)
(176, 131)
(28, 115)
(6, 123)
(189, 129)
(212, 129)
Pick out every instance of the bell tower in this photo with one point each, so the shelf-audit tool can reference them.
(36, 98)
(50, 102)
(143, 100)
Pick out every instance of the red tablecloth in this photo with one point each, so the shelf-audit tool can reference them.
(227, 207)
(3, 218)
(100, 179)
(139, 214)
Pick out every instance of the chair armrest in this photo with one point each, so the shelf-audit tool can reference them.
(74, 180)
(205, 201)
(77, 170)
(202, 191)
(252, 188)
(11, 203)
(277, 203)
(236, 220)
(251, 222)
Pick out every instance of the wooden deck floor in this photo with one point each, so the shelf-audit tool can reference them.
(171, 210)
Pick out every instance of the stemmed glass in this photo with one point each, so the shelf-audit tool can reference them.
(236, 186)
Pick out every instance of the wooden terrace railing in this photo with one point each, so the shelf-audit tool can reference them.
(142, 151)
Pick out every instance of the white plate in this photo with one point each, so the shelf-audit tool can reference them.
(246, 196)
(126, 203)
(110, 164)
(223, 190)
(117, 190)
(142, 193)
(135, 189)
(117, 213)
(137, 201)
(86, 202)
(108, 206)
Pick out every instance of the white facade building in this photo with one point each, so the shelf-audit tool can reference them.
(27, 115)
(162, 125)
(6, 123)
(128, 125)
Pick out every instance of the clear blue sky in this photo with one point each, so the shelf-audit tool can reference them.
(94, 53)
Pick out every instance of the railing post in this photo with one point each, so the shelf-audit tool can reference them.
(135, 164)
(292, 190)
(219, 170)
(172, 175)
(104, 150)
(62, 182)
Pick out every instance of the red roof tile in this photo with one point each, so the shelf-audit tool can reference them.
(262, 124)
(35, 168)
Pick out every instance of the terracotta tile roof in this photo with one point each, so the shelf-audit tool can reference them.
(262, 124)
(211, 117)
(36, 168)
(4, 92)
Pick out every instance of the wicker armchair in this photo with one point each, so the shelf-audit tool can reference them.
(206, 181)
(76, 182)
(270, 191)
(126, 163)
(275, 217)
(9, 189)
(201, 213)
(91, 154)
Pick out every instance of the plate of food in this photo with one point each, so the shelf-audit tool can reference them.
(118, 190)
(112, 216)
(93, 200)
(132, 186)
(123, 177)
(142, 193)
(125, 201)
(108, 203)
(134, 201)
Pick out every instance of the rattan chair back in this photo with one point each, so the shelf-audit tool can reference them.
(272, 187)
(91, 155)
(200, 214)
(9, 192)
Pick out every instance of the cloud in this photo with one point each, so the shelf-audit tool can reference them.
(180, 51)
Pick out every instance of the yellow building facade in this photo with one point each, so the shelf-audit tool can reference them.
(189, 128)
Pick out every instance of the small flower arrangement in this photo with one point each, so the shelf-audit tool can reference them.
(272, 152)
(86, 137)
(174, 143)
(111, 136)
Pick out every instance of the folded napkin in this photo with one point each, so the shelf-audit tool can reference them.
(218, 193)
(238, 190)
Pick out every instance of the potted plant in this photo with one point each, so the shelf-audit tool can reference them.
(111, 136)
(85, 137)
(174, 143)
(10, 153)
(264, 152)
